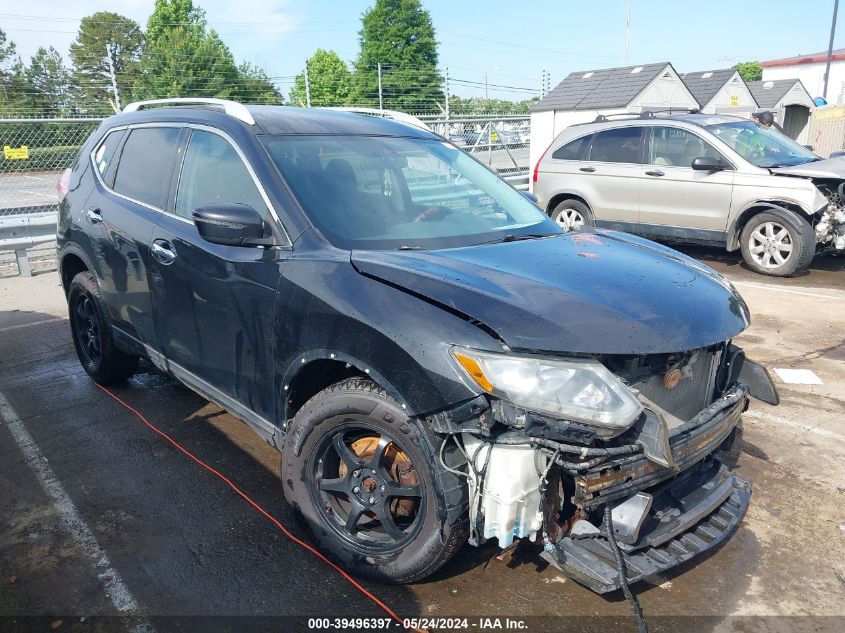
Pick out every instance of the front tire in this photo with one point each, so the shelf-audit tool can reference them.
(777, 243)
(571, 215)
(368, 482)
(90, 327)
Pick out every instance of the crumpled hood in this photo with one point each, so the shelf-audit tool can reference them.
(599, 292)
(827, 168)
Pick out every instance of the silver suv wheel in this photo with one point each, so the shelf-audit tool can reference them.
(770, 245)
(569, 219)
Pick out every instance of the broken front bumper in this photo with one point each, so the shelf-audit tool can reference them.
(694, 507)
(690, 515)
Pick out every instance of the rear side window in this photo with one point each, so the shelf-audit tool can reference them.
(214, 172)
(104, 153)
(146, 164)
(620, 145)
(574, 150)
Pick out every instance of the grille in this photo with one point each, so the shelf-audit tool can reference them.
(693, 393)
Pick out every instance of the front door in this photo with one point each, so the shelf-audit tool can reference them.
(678, 201)
(122, 211)
(214, 304)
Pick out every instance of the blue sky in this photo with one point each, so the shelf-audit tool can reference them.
(510, 41)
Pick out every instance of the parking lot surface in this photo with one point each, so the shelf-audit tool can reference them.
(104, 525)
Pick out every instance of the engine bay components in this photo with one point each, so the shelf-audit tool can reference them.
(504, 490)
(830, 228)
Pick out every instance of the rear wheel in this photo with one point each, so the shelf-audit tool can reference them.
(572, 214)
(369, 485)
(91, 330)
(777, 243)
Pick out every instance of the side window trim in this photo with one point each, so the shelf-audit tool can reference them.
(105, 178)
(171, 205)
(109, 186)
(585, 149)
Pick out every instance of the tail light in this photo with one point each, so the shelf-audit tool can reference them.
(537, 166)
(63, 186)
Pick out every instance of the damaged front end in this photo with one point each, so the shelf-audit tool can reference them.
(664, 471)
(830, 226)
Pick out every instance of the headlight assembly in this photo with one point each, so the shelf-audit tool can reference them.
(576, 389)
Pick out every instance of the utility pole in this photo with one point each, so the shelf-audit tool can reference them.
(446, 93)
(307, 86)
(380, 96)
(628, 30)
(830, 47)
(116, 104)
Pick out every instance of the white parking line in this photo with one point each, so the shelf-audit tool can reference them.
(23, 325)
(36, 178)
(803, 293)
(38, 193)
(114, 586)
(776, 419)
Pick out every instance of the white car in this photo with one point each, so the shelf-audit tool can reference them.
(697, 178)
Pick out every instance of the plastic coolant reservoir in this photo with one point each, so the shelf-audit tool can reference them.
(510, 491)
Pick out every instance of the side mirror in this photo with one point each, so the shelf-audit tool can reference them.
(707, 163)
(531, 197)
(809, 147)
(837, 154)
(230, 224)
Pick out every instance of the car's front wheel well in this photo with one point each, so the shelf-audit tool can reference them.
(756, 208)
(560, 197)
(311, 379)
(71, 266)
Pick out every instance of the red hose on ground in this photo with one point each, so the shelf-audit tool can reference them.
(255, 505)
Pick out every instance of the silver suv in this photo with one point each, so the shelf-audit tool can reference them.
(697, 178)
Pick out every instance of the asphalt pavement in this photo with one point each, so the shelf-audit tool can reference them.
(107, 526)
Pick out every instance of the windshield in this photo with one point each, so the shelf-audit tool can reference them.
(381, 193)
(762, 146)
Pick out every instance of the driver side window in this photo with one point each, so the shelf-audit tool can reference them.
(675, 147)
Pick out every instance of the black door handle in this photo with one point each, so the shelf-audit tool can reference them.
(94, 216)
(589, 170)
(655, 172)
(163, 251)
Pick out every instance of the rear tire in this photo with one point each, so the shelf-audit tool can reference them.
(342, 484)
(90, 327)
(572, 214)
(777, 242)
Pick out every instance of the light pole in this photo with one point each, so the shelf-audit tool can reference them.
(830, 47)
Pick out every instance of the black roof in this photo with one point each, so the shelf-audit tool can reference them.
(272, 119)
(705, 84)
(768, 93)
(597, 89)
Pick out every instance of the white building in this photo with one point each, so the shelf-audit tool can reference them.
(810, 70)
(720, 91)
(789, 101)
(584, 95)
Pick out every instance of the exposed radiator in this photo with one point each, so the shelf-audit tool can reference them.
(692, 394)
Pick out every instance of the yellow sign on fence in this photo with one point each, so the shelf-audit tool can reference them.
(15, 153)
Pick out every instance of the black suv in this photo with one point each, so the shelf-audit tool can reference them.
(435, 358)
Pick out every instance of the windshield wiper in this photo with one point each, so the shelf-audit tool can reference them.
(406, 247)
(517, 237)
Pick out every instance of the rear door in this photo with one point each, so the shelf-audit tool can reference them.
(611, 177)
(678, 201)
(133, 168)
(214, 304)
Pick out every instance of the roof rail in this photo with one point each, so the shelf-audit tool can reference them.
(232, 108)
(645, 114)
(401, 117)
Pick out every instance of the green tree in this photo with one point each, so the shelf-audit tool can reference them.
(183, 58)
(13, 84)
(330, 79)
(254, 86)
(399, 35)
(98, 33)
(750, 71)
(49, 83)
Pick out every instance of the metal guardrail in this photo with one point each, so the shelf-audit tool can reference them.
(24, 230)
